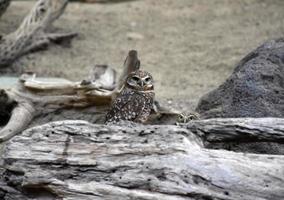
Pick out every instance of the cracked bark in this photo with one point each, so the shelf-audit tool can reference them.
(79, 160)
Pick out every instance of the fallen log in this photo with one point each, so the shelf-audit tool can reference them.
(34, 32)
(37, 101)
(253, 135)
(35, 98)
(79, 160)
(239, 129)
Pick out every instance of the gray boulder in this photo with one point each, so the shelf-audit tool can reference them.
(255, 89)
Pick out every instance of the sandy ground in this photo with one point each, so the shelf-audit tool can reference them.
(190, 46)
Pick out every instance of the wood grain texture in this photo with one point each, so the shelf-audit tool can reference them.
(79, 160)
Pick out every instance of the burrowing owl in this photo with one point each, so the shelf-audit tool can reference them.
(135, 101)
(187, 117)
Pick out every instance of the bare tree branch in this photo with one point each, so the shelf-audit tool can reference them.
(32, 33)
(131, 63)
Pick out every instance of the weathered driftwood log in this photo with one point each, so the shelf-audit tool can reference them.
(254, 135)
(131, 64)
(38, 101)
(78, 160)
(239, 129)
(35, 98)
(33, 33)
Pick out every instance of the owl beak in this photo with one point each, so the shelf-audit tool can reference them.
(141, 83)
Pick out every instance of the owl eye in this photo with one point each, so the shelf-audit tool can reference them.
(148, 79)
(180, 118)
(135, 78)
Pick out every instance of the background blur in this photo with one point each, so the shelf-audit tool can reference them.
(190, 46)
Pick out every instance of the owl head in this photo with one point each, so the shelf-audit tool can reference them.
(187, 117)
(140, 80)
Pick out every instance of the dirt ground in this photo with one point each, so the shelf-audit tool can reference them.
(190, 46)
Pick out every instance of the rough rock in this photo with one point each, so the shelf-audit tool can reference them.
(255, 89)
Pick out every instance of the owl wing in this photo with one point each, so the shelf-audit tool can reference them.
(126, 107)
(146, 107)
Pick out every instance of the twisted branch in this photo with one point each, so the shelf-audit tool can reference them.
(32, 33)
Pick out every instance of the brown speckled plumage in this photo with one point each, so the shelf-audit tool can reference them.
(135, 101)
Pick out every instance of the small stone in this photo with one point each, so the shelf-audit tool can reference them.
(134, 36)
(133, 24)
